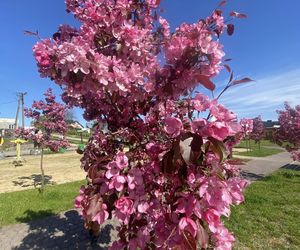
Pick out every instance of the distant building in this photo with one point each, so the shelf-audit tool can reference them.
(74, 124)
(271, 127)
(7, 123)
(271, 124)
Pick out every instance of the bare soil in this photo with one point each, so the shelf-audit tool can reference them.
(59, 168)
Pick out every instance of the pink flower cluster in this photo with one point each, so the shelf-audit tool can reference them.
(247, 126)
(289, 131)
(167, 187)
(48, 118)
(161, 168)
(258, 131)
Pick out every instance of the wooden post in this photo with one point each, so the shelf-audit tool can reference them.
(42, 171)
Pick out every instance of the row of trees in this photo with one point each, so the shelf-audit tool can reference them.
(161, 168)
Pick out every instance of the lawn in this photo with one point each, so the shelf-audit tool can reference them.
(266, 148)
(23, 206)
(270, 217)
(59, 169)
(260, 153)
(254, 145)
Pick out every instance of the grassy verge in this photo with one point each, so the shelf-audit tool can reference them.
(270, 217)
(266, 148)
(263, 143)
(260, 153)
(23, 206)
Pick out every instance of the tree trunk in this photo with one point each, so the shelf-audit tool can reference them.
(42, 171)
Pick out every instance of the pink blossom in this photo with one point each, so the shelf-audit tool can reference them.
(218, 130)
(121, 160)
(124, 208)
(201, 102)
(117, 182)
(173, 126)
(187, 224)
(102, 215)
(135, 178)
(223, 238)
(143, 207)
(198, 126)
(113, 170)
(212, 217)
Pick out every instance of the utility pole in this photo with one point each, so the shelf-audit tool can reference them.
(20, 101)
(17, 114)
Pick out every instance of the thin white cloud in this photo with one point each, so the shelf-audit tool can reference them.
(265, 95)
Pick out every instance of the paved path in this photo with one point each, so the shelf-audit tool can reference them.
(62, 232)
(259, 167)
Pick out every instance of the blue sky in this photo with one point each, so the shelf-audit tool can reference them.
(265, 46)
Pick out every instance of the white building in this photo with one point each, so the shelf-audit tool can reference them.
(7, 123)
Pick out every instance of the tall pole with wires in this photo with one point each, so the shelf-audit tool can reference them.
(20, 102)
(18, 110)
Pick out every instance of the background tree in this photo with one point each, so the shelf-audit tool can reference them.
(48, 120)
(258, 131)
(288, 135)
(160, 168)
(247, 127)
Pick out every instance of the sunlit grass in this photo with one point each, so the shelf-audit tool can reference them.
(270, 217)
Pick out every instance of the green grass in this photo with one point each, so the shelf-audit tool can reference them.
(23, 206)
(263, 143)
(260, 153)
(270, 217)
(265, 149)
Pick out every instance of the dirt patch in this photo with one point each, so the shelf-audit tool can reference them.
(239, 150)
(59, 168)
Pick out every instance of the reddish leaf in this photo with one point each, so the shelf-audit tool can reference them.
(206, 82)
(237, 15)
(227, 68)
(189, 241)
(231, 77)
(244, 80)
(230, 29)
(30, 33)
(173, 159)
(95, 204)
(222, 3)
(202, 236)
(218, 148)
(168, 162)
(196, 145)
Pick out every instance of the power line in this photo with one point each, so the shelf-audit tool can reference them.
(3, 103)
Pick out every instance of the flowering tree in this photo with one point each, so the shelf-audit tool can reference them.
(48, 119)
(258, 131)
(289, 131)
(247, 127)
(161, 167)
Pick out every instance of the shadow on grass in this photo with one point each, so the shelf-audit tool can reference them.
(33, 215)
(64, 231)
(33, 180)
(291, 167)
(251, 176)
